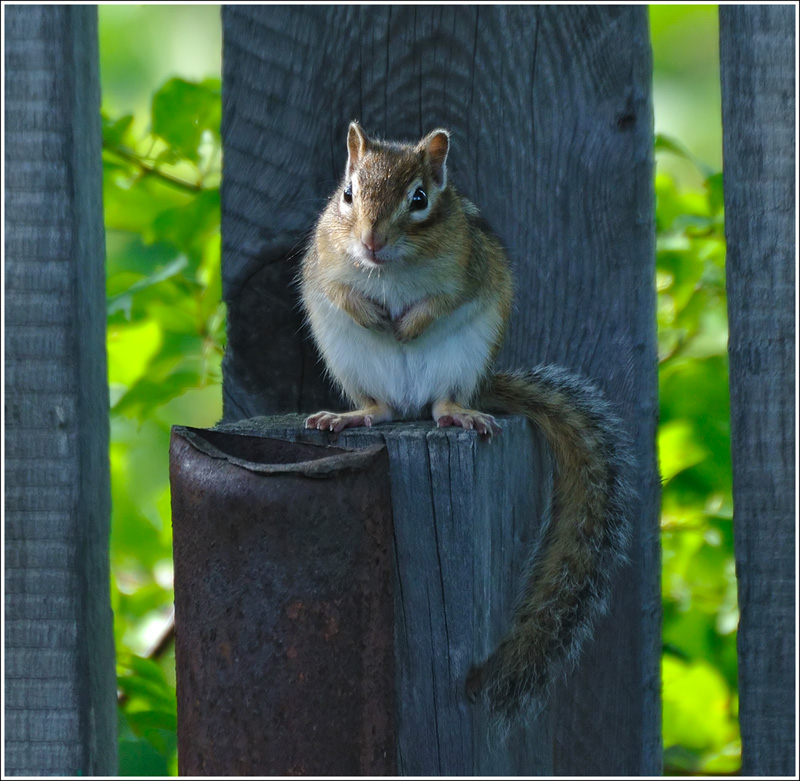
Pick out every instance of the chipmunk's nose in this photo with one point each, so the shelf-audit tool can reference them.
(373, 241)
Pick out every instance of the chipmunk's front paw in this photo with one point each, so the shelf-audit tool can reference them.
(376, 318)
(367, 313)
(338, 421)
(411, 324)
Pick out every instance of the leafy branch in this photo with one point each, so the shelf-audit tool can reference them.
(150, 169)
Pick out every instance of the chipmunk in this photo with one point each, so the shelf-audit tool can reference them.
(408, 294)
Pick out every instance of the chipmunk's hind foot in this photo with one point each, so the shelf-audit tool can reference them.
(448, 413)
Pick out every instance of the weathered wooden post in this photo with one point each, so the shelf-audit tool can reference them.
(60, 684)
(552, 135)
(757, 59)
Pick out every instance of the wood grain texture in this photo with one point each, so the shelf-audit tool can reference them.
(550, 111)
(60, 687)
(757, 60)
(458, 565)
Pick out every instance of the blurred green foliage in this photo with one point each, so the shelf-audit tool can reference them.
(166, 332)
(686, 89)
(700, 727)
(166, 337)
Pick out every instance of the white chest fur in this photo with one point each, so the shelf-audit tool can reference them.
(444, 363)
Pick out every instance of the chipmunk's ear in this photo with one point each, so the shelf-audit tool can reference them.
(357, 143)
(435, 146)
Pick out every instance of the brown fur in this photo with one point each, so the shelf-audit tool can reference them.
(568, 578)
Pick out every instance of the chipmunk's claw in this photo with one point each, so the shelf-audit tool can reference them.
(484, 424)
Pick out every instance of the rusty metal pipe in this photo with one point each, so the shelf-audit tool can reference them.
(283, 607)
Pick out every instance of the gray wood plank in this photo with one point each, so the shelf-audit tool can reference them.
(47, 633)
(40, 758)
(43, 695)
(59, 658)
(757, 60)
(550, 110)
(48, 553)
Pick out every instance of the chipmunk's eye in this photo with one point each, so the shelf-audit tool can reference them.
(348, 194)
(419, 200)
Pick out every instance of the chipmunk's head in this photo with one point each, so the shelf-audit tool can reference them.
(391, 195)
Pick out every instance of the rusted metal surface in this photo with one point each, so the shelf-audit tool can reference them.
(283, 607)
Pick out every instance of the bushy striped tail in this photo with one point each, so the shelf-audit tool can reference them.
(567, 580)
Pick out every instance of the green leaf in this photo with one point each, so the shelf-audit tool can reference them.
(685, 272)
(147, 668)
(179, 317)
(182, 110)
(149, 720)
(132, 203)
(115, 130)
(159, 729)
(188, 226)
(148, 394)
(139, 759)
(130, 349)
(137, 756)
(140, 690)
(696, 706)
(127, 252)
(688, 630)
(726, 761)
(716, 195)
(122, 302)
(665, 144)
(678, 449)
(679, 760)
(169, 156)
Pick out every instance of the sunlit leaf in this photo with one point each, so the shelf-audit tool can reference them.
(188, 226)
(130, 349)
(726, 761)
(696, 706)
(147, 394)
(132, 202)
(677, 448)
(182, 110)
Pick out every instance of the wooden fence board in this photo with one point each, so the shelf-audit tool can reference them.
(757, 60)
(551, 116)
(58, 632)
